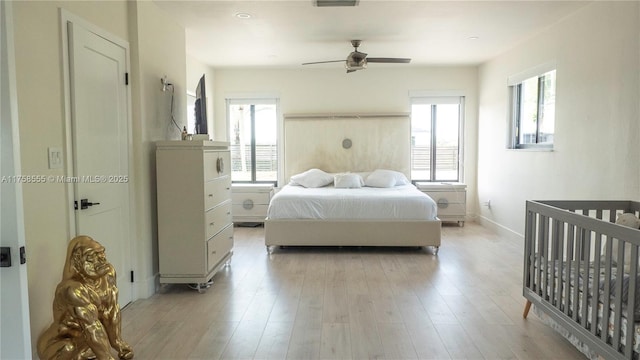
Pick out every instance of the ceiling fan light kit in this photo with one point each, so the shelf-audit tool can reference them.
(357, 60)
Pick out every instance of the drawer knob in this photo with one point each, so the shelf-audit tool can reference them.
(211, 223)
(220, 165)
(443, 203)
(210, 195)
(247, 204)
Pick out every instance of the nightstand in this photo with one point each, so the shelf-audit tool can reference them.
(450, 197)
(250, 202)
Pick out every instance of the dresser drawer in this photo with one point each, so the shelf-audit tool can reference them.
(216, 164)
(257, 198)
(255, 211)
(218, 246)
(444, 197)
(216, 191)
(217, 218)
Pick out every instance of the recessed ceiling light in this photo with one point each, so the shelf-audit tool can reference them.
(243, 15)
(473, 38)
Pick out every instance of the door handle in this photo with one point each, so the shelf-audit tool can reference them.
(84, 204)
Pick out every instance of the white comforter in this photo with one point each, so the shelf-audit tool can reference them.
(399, 202)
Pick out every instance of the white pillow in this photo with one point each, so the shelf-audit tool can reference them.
(385, 179)
(348, 181)
(312, 178)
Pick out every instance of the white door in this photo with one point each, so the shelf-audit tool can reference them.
(15, 333)
(99, 117)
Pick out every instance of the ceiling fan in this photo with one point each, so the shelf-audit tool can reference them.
(357, 60)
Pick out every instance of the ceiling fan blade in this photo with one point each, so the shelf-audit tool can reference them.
(389, 60)
(323, 62)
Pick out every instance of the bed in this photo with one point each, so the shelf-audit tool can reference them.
(581, 274)
(364, 216)
(348, 143)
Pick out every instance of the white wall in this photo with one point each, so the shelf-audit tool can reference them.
(157, 48)
(41, 119)
(332, 90)
(596, 150)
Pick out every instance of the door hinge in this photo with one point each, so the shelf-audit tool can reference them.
(131, 275)
(126, 78)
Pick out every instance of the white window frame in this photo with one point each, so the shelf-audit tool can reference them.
(434, 99)
(243, 99)
(514, 83)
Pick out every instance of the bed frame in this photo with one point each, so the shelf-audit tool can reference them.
(376, 141)
(303, 232)
(584, 234)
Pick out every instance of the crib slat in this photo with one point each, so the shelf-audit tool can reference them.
(576, 276)
(544, 241)
(595, 293)
(631, 301)
(606, 301)
(617, 300)
(542, 259)
(555, 224)
(538, 267)
(612, 215)
(567, 278)
(584, 314)
(561, 261)
(528, 251)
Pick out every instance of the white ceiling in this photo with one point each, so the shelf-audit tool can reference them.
(286, 33)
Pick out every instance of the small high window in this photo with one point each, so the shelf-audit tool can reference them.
(533, 103)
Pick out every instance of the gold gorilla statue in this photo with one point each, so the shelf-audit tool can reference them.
(86, 314)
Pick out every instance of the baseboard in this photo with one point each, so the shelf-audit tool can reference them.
(472, 218)
(146, 288)
(499, 229)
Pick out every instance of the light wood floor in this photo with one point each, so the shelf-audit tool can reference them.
(331, 303)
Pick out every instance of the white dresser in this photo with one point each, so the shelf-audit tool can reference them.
(450, 197)
(250, 202)
(195, 229)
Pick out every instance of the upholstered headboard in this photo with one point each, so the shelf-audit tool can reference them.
(346, 142)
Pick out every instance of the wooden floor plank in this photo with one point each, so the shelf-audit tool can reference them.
(274, 342)
(336, 341)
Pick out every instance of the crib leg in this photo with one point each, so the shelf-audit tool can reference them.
(527, 306)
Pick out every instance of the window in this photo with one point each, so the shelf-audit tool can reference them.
(533, 111)
(436, 138)
(253, 129)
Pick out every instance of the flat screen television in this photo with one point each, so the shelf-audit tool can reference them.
(200, 108)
